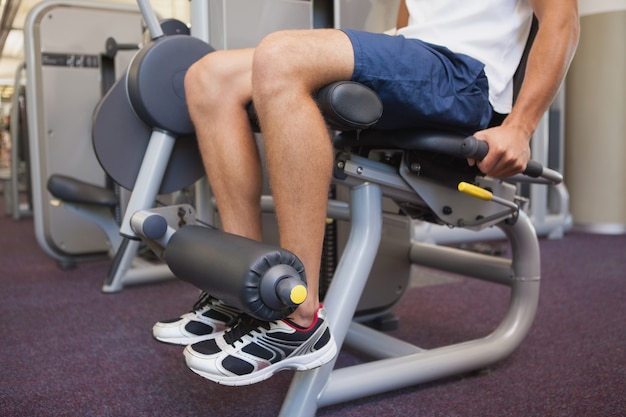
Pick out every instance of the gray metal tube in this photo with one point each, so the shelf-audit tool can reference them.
(15, 209)
(372, 378)
(122, 263)
(149, 178)
(337, 210)
(462, 262)
(343, 295)
(384, 375)
(200, 22)
(151, 19)
(525, 248)
(377, 344)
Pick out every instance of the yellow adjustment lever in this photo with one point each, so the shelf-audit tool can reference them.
(475, 191)
(298, 294)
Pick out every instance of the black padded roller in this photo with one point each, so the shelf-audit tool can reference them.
(348, 105)
(155, 82)
(120, 141)
(262, 280)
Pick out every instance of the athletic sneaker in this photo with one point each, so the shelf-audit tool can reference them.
(208, 317)
(254, 350)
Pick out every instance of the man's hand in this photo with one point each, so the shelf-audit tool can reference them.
(509, 151)
(548, 60)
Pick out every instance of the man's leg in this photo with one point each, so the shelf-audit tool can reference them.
(288, 68)
(218, 87)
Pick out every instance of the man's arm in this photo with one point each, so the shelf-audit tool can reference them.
(403, 15)
(548, 62)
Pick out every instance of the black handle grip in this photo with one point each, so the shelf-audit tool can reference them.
(533, 169)
(474, 148)
(477, 149)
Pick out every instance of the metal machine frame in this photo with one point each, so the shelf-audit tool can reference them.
(396, 363)
(400, 364)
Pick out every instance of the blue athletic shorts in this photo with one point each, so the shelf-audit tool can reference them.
(421, 85)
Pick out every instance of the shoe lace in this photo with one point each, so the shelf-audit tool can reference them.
(202, 302)
(244, 324)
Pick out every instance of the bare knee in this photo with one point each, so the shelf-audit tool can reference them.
(300, 61)
(278, 64)
(217, 77)
(202, 81)
(276, 54)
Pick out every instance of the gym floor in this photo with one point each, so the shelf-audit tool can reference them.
(68, 349)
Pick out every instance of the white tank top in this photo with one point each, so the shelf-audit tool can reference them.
(491, 31)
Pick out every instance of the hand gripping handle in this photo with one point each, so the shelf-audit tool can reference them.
(475, 148)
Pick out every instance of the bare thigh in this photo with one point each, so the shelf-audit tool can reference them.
(311, 58)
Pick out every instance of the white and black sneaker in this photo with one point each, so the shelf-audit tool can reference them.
(254, 350)
(208, 317)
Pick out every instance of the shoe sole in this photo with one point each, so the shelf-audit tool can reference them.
(184, 341)
(318, 358)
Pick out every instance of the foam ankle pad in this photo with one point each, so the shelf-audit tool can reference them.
(234, 269)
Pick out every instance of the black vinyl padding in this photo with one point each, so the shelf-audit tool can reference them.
(120, 141)
(72, 190)
(346, 106)
(229, 267)
(155, 82)
(448, 143)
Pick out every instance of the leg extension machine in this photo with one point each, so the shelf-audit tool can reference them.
(426, 175)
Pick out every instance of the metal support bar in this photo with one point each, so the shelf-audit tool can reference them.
(338, 210)
(150, 18)
(403, 364)
(150, 176)
(127, 269)
(358, 381)
(343, 294)
(377, 344)
(359, 170)
(14, 192)
(200, 22)
(462, 262)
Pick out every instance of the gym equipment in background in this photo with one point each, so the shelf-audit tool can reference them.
(64, 41)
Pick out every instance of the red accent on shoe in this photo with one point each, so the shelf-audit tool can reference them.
(299, 328)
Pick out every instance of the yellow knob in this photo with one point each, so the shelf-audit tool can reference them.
(475, 191)
(298, 294)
